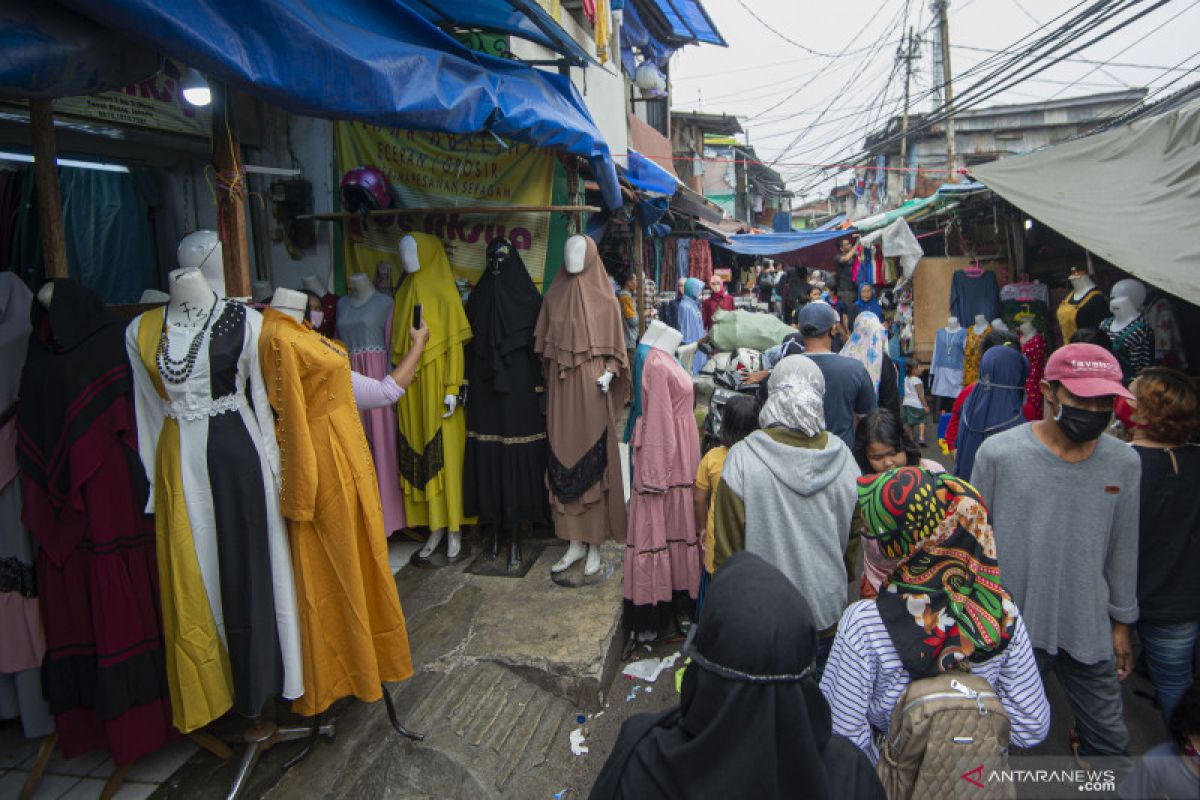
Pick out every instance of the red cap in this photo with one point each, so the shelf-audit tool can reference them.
(1087, 370)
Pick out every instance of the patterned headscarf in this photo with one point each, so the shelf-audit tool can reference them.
(795, 397)
(942, 601)
(868, 344)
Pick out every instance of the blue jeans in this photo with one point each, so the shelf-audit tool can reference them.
(1170, 655)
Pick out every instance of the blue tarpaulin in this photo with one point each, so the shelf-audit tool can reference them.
(648, 176)
(689, 21)
(378, 61)
(838, 219)
(772, 244)
(524, 19)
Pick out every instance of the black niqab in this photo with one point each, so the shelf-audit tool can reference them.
(766, 735)
(503, 310)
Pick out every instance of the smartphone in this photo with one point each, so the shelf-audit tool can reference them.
(417, 317)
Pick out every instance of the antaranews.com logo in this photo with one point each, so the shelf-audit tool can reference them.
(1083, 780)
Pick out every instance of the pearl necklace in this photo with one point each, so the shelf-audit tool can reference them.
(176, 370)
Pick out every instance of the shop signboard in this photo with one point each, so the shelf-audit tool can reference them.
(439, 170)
(154, 103)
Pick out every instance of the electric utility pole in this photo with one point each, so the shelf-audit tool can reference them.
(909, 55)
(940, 8)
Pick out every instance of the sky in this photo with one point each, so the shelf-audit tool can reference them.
(805, 108)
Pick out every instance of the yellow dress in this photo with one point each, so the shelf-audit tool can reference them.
(354, 636)
(431, 448)
(973, 354)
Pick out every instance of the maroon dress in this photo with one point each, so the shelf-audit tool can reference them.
(84, 491)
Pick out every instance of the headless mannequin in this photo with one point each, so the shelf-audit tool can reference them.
(1027, 331)
(1081, 282)
(361, 289)
(191, 297)
(952, 324)
(46, 294)
(574, 253)
(664, 337)
(412, 265)
(202, 250)
(313, 284)
(998, 325)
(981, 324)
(1128, 297)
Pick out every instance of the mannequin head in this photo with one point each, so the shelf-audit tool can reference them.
(716, 285)
(952, 322)
(1133, 290)
(1027, 328)
(574, 254)
(408, 255)
(980, 322)
(1080, 279)
(998, 325)
(202, 250)
(291, 302)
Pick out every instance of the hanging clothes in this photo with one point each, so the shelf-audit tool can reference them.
(670, 267)
(662, 559)
(83, 494)
(972, 354)
(1169, 350)
(700, 260)
(1034, 350)
(579, 337)
(1086, 312)
(366, 331)
(353, 631)
(683, 256)
(432, 448)
(21, 628)
(1133, 346)
(213, 465)
(505, 473)
(974, 294)
(947, 365)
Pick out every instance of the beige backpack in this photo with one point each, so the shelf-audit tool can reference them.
(947, 735)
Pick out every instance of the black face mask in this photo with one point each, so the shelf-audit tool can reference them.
(1081, 425)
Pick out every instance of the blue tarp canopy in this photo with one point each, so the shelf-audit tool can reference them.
(648, 176)
(378, 61)
(773, 244)
(837, 219)
(684, 21)
(524, 19)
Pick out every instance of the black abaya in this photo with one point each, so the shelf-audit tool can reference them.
(752, 721)
(504, 479)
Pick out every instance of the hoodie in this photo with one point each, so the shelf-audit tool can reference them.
(788, 498)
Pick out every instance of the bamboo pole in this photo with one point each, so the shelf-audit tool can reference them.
(49, 201)
(231, 195)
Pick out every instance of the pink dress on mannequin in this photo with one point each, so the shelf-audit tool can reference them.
(662, 554)
(366, 330)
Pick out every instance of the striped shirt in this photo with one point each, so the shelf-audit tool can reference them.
(864, 679)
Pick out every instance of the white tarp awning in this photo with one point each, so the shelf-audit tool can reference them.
(1130, 195)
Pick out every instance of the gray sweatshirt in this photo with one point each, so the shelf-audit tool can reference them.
(788, 498)
(1067, 537)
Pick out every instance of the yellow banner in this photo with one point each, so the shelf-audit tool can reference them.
(437, 170)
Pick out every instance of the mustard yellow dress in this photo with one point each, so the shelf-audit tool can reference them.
(431, 449)
(353, 631)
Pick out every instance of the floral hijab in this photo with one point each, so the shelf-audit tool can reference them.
(868, 344)
(942, 601)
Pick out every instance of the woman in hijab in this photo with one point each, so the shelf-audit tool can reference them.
(993, 406)
(718, 300)
(869, 345)
(931, 556)
(691, 322)
(751, 721)
(787, 493)
(866, 301)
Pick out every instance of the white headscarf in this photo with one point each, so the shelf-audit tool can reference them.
(795, 397)
(867, 344)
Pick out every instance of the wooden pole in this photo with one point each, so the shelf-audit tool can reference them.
(908, 59)
(49, 201)
(231, 195)
(639, 268)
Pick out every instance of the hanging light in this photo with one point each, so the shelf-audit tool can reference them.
(195, 89)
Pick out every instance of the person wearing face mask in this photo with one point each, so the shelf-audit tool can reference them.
(1065, 502)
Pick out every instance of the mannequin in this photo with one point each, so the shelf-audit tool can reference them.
(662, 556)
(206, 436)
(1033, 347)
(202, 250)
(432, 428)
(45, 295)
(354, 630)
(1132, 338)
(949, 353)
(973, 349)
(152, 297)
(364, 326)
(504, 482)
(313, 284)
(998, 325)
(1084, 307)
(662, 336)
(581, 342)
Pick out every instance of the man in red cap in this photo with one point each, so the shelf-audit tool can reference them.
(1064, 503)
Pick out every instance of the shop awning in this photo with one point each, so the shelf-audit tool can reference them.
(648, 176)
(684, 21)
(773, 244)
(693, 204)
(377, 61)
(524, 19)
(1128, 195)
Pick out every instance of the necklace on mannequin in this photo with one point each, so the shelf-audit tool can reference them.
(178, 370)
